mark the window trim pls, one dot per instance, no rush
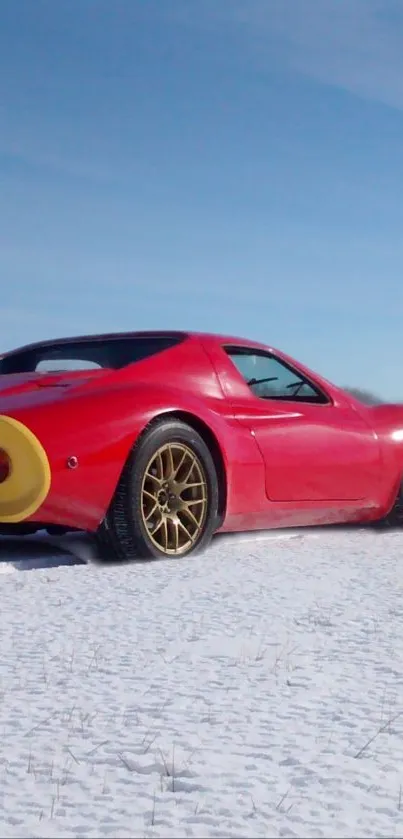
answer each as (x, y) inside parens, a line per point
(238, 349)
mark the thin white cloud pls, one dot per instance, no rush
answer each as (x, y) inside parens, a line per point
(356, 45)
(40, 143)
(57, 164)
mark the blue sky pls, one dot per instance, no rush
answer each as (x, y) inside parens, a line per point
(229, 166)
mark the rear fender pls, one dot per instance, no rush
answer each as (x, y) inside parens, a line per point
(96, 431)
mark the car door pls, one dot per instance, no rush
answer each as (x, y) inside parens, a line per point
(314, 448)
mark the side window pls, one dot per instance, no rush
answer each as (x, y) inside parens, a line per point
(55, 365)
(269, 378)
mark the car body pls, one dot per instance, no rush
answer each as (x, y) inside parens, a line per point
(289, 448)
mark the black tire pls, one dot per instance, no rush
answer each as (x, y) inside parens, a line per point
(394, 519)
(123, 534)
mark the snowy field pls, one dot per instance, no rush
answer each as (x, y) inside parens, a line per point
(253, 691)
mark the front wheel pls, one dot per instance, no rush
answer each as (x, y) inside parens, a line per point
(166, 502)
(394, 519)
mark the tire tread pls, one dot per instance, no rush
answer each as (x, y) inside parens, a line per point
(116, 537)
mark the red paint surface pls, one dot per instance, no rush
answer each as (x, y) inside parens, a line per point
(286, 463)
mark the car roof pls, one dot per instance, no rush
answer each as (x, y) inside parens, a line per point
(209, 337)
(229, 340)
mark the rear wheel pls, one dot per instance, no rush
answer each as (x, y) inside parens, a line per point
(166, 501)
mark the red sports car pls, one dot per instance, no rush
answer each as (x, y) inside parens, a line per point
(153, 441)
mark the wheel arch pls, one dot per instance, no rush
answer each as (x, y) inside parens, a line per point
(392, 514)
(211, 441)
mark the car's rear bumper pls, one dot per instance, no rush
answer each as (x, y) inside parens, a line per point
(28, 483)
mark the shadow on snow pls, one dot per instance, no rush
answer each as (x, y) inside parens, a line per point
(42, 551)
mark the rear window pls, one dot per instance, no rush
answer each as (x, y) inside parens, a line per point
(111, 353)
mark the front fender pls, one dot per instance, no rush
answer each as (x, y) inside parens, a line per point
(387, 422)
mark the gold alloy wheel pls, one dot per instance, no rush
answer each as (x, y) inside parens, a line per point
(174, 498)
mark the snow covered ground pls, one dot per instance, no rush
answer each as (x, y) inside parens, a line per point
(253, 691)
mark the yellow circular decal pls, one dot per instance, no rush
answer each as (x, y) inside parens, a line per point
(28, 483)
